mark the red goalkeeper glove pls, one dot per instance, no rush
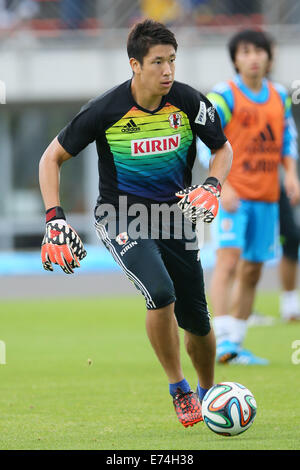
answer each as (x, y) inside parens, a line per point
(61, 244)
(200, 202)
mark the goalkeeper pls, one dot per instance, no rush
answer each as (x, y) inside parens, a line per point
(145, 131)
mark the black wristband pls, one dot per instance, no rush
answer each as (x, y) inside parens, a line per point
(214, 182)
(55, 213)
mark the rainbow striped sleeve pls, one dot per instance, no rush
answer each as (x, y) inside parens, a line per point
(221, 97)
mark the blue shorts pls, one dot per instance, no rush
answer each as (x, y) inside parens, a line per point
(253, 228)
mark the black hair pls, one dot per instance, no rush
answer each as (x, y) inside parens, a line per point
(147, 34)
(258, 38)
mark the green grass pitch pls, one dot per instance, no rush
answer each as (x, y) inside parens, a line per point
(81, 374)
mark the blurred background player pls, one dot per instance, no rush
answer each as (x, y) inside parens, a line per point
(289, 305)
(257, 120)
(133, 124)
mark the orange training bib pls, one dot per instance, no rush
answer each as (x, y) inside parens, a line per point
(255, 132)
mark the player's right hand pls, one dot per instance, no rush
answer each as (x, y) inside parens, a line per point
(61, 245)
(200, 202)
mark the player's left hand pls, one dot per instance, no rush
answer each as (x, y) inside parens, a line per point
(292, 187)
(200, 202)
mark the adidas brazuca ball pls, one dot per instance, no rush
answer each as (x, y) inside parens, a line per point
(228, 408)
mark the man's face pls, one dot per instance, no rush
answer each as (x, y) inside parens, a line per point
(156, 74)
(251, 61)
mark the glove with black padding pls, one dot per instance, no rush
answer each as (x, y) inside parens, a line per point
(61, 244)
(200, 202)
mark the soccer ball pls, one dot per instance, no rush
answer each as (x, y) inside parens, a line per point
(228, 408)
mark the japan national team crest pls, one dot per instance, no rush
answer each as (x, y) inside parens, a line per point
(122, 238)
(175, 120)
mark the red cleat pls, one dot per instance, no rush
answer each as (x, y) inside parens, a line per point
(188, 408)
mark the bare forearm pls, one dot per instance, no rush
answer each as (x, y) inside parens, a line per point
(49, 173)
(221, 163)
(49, 182)
(291, 180)
(289, 164)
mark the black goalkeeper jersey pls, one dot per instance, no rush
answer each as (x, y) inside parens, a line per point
(146, 155)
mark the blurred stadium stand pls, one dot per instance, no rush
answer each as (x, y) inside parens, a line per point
(52, 18)
(57, 54)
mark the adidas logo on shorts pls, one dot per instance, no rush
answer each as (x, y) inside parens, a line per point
(131, 127)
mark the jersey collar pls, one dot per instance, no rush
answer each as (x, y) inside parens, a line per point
(162, 103)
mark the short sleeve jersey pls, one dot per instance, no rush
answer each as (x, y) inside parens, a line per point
(146, 155)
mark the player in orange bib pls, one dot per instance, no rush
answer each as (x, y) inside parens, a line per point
(257, 133)
(256, 117)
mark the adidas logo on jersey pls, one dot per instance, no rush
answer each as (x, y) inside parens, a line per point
(131, 127)
(211, 113)
(265, 134)
(265, 141)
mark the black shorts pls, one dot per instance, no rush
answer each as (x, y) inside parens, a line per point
(289, 231)
(164, 271)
